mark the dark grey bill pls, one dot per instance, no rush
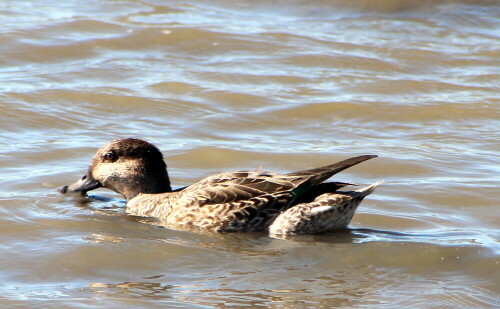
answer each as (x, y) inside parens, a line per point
(83, 185)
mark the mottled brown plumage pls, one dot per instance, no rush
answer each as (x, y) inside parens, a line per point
(328, 212)
(294, 203)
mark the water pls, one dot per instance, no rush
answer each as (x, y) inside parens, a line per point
(226, 85)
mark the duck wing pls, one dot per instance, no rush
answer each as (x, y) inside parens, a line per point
(244, 185)
(237, 186)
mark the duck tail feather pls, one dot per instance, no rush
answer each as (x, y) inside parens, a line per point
(369, 189)
(320, 174)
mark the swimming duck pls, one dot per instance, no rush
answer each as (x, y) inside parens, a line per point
(282, 204)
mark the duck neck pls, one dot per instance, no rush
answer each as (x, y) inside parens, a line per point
(152, 183)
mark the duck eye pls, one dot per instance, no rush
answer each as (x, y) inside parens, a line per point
(110, 156)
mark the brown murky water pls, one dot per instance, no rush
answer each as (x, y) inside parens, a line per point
(226, 85)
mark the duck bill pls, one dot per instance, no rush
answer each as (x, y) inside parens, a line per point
(87, 183)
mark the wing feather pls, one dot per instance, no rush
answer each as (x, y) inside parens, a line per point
(237, 186)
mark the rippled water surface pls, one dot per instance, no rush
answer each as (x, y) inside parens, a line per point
(226, 85)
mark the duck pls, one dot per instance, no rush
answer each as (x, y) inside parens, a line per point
(300, 202)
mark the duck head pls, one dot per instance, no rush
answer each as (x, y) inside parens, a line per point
(127, 166)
